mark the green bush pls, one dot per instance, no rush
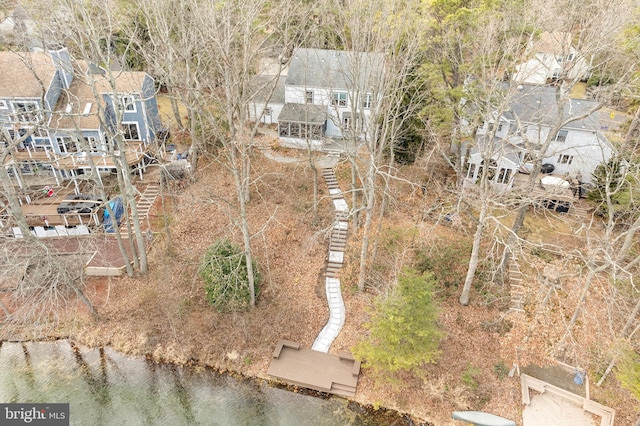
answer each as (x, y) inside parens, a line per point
(444, 262)
(403, 333)
(628, 372)
(224, 271)
(470, 376)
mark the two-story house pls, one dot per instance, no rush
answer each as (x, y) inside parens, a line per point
(507, 143)
(65, 111)
(328, 95)
(552, 57)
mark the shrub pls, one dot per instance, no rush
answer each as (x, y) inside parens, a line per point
(470, 376)
(224, 271)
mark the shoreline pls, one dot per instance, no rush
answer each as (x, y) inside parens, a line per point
(387, 415)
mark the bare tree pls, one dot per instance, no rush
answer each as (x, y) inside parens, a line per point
(217, 48)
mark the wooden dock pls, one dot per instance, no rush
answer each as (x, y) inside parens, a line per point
(335, 374)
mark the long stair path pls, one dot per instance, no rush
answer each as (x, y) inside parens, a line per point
(516, 289)
(144, 204)
(335, 260)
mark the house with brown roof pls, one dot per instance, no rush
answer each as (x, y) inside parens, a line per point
(55, 112)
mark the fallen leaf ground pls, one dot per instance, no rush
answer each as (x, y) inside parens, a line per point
(164, 314)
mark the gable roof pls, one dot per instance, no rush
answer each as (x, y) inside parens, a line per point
(537, 105)
(70, 112)
(336, 69)
(261, 87)
(23, 75)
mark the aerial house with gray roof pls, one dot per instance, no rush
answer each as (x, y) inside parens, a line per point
(510, 141)
(329, 96)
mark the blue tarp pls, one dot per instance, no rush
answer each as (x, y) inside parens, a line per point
(117, 207)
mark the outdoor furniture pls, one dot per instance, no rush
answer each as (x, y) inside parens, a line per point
(40, 232)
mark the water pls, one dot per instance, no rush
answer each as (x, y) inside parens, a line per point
(105, 387)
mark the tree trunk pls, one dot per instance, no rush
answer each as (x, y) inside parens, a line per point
(369, 196)
(240, 183)
(193, 148)
(176, 113)
(354, 193)
(114, 222)
(165, 221)
(473, 261)
(14, 204)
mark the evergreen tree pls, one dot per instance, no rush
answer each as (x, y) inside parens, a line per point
(403, 333)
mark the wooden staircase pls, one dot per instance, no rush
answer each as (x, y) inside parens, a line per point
(144, 204)
(516, 287)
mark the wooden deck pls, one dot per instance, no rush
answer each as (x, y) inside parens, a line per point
(335, 374)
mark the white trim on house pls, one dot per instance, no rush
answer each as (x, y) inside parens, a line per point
(128, 103)
(128, 132)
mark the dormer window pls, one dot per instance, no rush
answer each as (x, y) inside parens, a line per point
(561, 136)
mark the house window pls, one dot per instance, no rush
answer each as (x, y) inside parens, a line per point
(308, 96)
(499, 129)
(339, 99)
(129, 103)
(346, 120)
(40, 133)
(561, 136)
(504, 175)
(92, 142)
(491, 170)
(66, 144)
(131, 132)
(4, 143)
(266, 112)
(565, 159)
(3, 104)
(295, 130)
(27, 112)
(527, 158)
(570, 57)
(471, 169)
(366, 101)
(349, 124)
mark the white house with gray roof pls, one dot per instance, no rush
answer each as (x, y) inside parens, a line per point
(575, 151)
(553, 57)
(328, 95)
